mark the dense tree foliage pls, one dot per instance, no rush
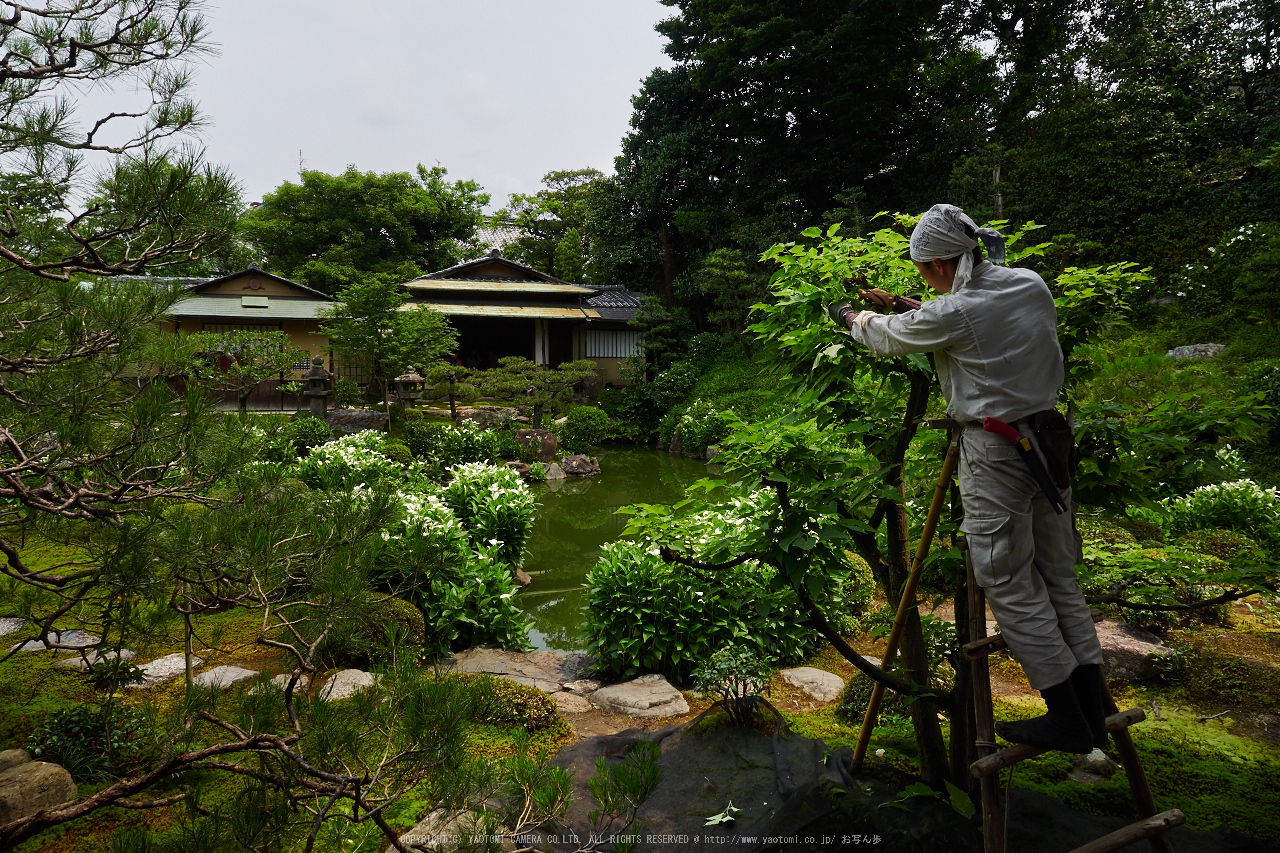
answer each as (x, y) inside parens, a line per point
(328, 231)
(551, 223)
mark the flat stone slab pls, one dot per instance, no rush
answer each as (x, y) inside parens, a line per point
(582, 686)
(11, 625)
(818, 683)
(223, 676)
(646, 696)
(547, 671)
(162, 669)
(571, 703)
(346, 684)
(1196, 351)
(74, 637)
(1128, 652)
(12, 758)
(98, 657)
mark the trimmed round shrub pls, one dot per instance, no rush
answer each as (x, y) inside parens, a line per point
(584, 428)
(407, 618)
(507, 704)
(397, 452)
(852, 705)
(1223, 544)
(306, 433)
(411, 415)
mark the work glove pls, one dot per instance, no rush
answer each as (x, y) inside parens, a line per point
(881, 299)
(841, 311)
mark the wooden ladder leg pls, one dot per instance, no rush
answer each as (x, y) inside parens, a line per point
(1135, 773)
(984, 719)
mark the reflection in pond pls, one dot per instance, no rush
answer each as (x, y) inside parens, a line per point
(576, 517)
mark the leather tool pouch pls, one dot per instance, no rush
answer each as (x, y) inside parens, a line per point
(1057, 444)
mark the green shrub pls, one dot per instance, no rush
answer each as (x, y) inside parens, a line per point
(397, 452)
(477, 608)
(646, 616)
(735, 675)
(854, 698)
(585, 427)
(1263, 379)
(307, 432)
(1241, 505)
(409, 416)
(93, 742)
(1223, 544)
(702, 425)
(411, 628)
(508, 704)
(445, 445)
(359, 458)
(493, 504)
(346, 393)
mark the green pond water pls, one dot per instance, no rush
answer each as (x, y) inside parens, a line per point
(575, 518)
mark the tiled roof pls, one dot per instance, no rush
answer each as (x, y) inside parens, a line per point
(615, 302)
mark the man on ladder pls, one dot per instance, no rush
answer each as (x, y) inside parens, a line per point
(993, 334)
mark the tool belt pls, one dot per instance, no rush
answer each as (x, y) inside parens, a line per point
(1057, 444)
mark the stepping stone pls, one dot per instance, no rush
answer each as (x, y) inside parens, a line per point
(11, 625)
(818, 683)
(282, 681)
(646, 696)
(1129, 653)
(74, 637)
(582, 687)
(163, 669)
(345, 684)
(223, 676)
(571, 703)
(100, 656)
(547, 671)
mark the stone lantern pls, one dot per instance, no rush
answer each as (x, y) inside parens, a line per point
(409, 387)
(317, 386)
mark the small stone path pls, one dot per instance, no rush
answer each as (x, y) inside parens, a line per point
(818, 683)
(163, 669)
(345, 684)
(223, 676)
(74, 637)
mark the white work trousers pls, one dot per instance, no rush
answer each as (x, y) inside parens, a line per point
(1024, 556)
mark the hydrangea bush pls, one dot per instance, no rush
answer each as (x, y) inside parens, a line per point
(494, 505)
(1240, 505)
(352, 460)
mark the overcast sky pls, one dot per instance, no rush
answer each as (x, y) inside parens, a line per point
(498, 91)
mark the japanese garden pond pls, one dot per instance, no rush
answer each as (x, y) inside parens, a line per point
(575, 518)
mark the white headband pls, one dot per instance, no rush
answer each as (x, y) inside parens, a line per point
(941, 234)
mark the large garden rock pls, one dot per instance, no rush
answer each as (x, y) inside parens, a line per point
(540, 440)
(486, 416)
(282, 681)
(11, 625)
(223, 676)
(555, 472)
(165, 668)
(343, 421)
(547, 671)
(31, 786)
(580, 466)
(12, 758)
(570, 703)
(583, 686)
(440, 831)
(520, 468)
(818, 683)
(1128, 652)
(98, 657)
(1196, 351)
(346, 684)
(646, 696)
(74, 638)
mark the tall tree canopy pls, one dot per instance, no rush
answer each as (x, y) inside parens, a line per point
(330, 230)
(551, 223)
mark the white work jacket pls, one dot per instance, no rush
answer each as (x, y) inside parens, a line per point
(994, 340)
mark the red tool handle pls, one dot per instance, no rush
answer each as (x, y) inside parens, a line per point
(1002, 428)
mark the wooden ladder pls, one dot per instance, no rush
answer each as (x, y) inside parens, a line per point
(1151, 825)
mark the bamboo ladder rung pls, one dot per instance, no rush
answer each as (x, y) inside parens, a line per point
(1146, 827)
(993, 643)
(1021, 752)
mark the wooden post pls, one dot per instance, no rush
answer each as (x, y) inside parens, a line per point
(984, 717)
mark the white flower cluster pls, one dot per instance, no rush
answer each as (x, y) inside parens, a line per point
(1238, 504)
(503, 484)
(356, 457)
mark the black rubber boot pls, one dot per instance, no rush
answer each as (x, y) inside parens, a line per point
(1064, 727)
(1087, 681)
